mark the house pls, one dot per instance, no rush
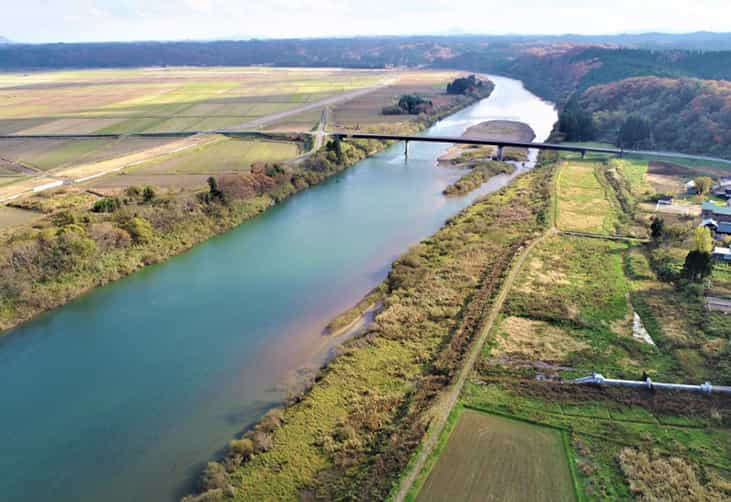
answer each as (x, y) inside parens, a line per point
(723, 188)
(723, 254)
(712, 211)
(690, 188)
(665, 200)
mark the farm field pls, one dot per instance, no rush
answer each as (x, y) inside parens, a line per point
(163, 99)
(220, 156)
(10, 216)
(584, 204)
(364, 112)
(581, 305)
(170, 99)
(52, 154)
(488, 457)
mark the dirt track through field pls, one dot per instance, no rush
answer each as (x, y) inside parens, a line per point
(333, 100)
(447, 402)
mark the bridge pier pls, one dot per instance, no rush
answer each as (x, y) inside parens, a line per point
(406, 150)
(500, 152)
(583, 153)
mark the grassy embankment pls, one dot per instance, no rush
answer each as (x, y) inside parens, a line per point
(572, 312)
(77, 247)
(353, 432)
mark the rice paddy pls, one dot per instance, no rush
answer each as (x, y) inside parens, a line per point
(489, 457)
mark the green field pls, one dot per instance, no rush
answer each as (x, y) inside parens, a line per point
(223, 155)
(489, 457)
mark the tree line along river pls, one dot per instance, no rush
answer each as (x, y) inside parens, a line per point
(125, 393)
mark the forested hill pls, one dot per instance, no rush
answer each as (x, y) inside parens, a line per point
(556, 72)
(686, 115)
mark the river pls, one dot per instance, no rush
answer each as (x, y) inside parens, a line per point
(124, 394)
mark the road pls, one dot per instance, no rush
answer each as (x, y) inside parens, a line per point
(333, 100)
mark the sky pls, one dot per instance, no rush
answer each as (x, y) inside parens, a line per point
(37, 21)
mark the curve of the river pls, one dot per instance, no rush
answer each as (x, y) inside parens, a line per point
(124, 393)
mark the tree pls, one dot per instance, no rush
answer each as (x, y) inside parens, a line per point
(213, 191)
(703, 184)
(634, 133)
(148, 194)
(657, 228)
(576, 123)
(697, 265)
(703, 240)
(464, 85)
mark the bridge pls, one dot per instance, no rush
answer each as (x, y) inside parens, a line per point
(499, 143)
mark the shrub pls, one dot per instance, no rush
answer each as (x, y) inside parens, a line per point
(139, 229)
(132, 191)
(107, 236)
(243, 447)
(213, 477)
(107, 205)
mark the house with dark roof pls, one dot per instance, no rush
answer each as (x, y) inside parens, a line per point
(712, 211)
(723, 188)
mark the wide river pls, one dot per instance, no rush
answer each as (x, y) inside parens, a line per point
(124, 394)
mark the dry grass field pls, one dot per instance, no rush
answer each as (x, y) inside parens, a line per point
(10, 216)
(365, 112)
(219, 156)
(489, 457)
(584, 203)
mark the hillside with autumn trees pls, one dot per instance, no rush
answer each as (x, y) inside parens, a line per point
(686, 115)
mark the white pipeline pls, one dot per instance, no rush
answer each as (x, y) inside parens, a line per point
(706, 388)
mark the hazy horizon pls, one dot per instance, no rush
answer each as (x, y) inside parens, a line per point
(34, 21)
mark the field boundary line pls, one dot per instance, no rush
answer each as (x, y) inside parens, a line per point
(434, 432)
(590, 235)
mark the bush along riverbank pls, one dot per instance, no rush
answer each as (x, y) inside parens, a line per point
(353, 432)
(86, 241)
(477, 175)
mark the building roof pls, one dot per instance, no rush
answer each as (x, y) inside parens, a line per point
(690, 184)
(719, 251)
(724, 228)
(716, 209)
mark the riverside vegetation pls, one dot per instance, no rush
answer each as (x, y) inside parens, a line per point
(354, 431)
(83, 242)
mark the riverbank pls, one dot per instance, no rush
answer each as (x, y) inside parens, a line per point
(370, 401)
(77, 248)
